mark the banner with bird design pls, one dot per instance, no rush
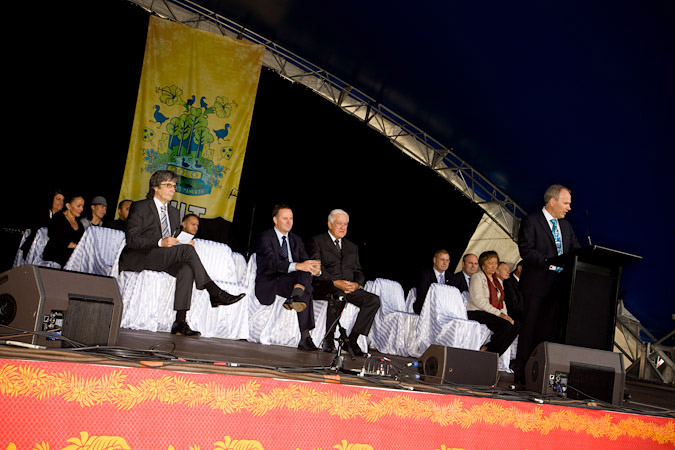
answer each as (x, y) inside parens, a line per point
(193, 115)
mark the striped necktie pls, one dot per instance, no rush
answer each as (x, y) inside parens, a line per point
(556, 236)
(166, 232)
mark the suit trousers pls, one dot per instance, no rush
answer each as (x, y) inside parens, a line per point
(503, 333)
(285, 285)
(179, 261)
(368, 305)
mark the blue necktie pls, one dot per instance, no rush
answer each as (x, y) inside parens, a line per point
(284, 247)
(556, 236)
(441, 279)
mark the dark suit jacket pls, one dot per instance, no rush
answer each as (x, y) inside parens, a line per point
(333, 267)
(271, 265)
(536, 245)
(426, 279)
(458, 280)
(513, 298)
(144, 230)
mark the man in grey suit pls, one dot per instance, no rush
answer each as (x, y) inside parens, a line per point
(151, 244)
(342, 279)
(543, 235)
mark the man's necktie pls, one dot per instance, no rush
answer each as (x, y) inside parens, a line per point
(337, 244)
(441, 279)
(556, 236)
(284, 247)
(166, 232)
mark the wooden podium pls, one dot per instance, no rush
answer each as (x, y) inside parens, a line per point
(591, 287)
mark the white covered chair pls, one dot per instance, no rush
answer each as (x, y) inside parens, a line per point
(20, 258)
(269, 324)
(148, 297)
(96, 252)
(443, 321)
(390, 327)
(34, 255)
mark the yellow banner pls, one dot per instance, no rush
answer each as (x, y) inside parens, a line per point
(193, 116)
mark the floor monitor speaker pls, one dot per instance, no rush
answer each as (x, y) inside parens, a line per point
(576, 372)
(82, 307)
(459, 366)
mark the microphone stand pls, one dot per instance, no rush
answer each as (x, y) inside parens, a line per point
(343, 340)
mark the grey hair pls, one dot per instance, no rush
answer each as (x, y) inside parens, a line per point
(334, 213)
(554, 192)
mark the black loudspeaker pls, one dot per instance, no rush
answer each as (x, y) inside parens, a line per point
(576, 372)
(83, 307)
(459, 366)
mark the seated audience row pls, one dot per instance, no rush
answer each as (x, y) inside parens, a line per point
(490, 290)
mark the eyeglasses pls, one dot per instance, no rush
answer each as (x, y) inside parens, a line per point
(169, 185)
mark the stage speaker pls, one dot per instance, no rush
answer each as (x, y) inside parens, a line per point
(459, 366)
(83, 307)
(576, 372)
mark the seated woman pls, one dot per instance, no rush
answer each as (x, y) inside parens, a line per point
(486, 304)
(65, 231)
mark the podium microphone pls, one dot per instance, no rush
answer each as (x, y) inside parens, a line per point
(588, 226)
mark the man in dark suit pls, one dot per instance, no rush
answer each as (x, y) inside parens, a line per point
(342, 279)
(151, 245)
(434, 274)
(461, 279)
(513, 297)
(543, 235)
(284, 269)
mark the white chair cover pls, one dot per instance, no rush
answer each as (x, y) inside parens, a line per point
(96, 252)
(19, 259)
(34, 256)
(240, 267)
(148, 297)
(443, 321)
(270, 324)
(410, 300)
(389, 331)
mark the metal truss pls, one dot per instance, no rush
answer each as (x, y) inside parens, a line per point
(650, 359)
(407, 137)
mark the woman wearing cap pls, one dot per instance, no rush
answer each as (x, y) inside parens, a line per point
(98, 209)
(65, 231)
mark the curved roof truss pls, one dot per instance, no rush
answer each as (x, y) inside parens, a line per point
(409, 138)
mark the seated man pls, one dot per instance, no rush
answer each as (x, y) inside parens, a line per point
(284, 269)
(123, 214)
(435, 274)
(341, 278)
(151, 245)
(190, 224)
(512, 295)
(462, 279)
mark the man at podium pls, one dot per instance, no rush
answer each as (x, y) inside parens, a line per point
(543, 235)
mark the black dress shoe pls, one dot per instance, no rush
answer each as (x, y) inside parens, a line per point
(183, 329)
(307, 345)
(355, 348)
(224, 298)
(328, 346)
(295, 303)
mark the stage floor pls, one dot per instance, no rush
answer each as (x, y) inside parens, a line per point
(137, 348)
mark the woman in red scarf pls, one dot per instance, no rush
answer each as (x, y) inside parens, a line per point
(486, 304)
